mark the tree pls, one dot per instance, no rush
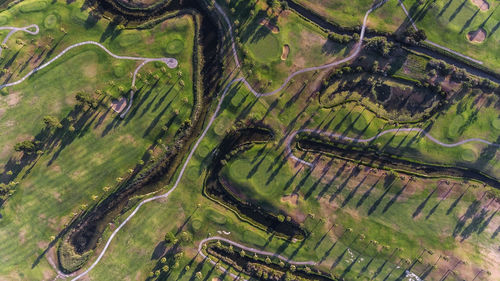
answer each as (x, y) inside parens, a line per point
(199, 275)
(170, 238)
(51, 122)
(165, 268)
(27, 146)
(85, 98)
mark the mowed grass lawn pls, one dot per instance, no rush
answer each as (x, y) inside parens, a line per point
(263, 48)
(351, 13)
(399, 214)
(103, 147)
(448, 22)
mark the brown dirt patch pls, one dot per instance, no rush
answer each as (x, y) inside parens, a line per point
(22, 236)
(285, 52)
(483, 5)
(119, 105)
(265, 22)
(293, 199)
(477, 36)
(90, 70)
(11, 99)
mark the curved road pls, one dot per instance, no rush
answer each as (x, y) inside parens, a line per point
(361, 140)
(170, 62)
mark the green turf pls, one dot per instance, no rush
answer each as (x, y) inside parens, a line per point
(265, 49)
(175, 46)
(79, 164)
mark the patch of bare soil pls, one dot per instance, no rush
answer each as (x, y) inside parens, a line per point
(483, 5)
(90, 70)
(119, 105)
(22, 236)
(477, 36)
(293, 199)
(265, 22)
(11, 99)
(285, 52)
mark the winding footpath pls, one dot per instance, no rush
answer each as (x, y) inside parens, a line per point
(16, 29)
(248, 249)
(357, 48)
(172, 63)
(169, 62)
(361, 140)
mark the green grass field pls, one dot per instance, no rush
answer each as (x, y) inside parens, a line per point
(448, 22)
(388, 18)
(75, 169)
(366, 224)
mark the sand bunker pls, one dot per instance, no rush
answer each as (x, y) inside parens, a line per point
(482, 4)
(265, 22)
(477, 36)
(285, 52)
(119, 105)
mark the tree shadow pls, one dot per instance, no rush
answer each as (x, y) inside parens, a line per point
(375, 205)
(367, 193)
(457, 10)
(395, 198)
(439, 202)
(420, 207)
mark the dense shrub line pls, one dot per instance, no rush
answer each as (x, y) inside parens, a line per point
(371, 155)
(263, 268)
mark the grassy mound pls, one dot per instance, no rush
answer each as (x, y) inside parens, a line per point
(265, 49)
(3, 19)
(203, 151)
(454, 128)
(119, 70)
(196, 224)
(496, 123)
(174, 46)
(192, 174)
(468, 155)
(130, 39)
(221, 125)
(33, 6)
(50, 21)
(239, 169)
(216, 217)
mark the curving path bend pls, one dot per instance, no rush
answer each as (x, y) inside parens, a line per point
(248, 249)
(361, 140)
(169, 62)
(16, 29)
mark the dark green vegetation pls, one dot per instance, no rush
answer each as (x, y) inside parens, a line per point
(399, 205)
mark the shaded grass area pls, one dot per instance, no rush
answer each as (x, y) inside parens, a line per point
(447, 23)
(79, 168)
